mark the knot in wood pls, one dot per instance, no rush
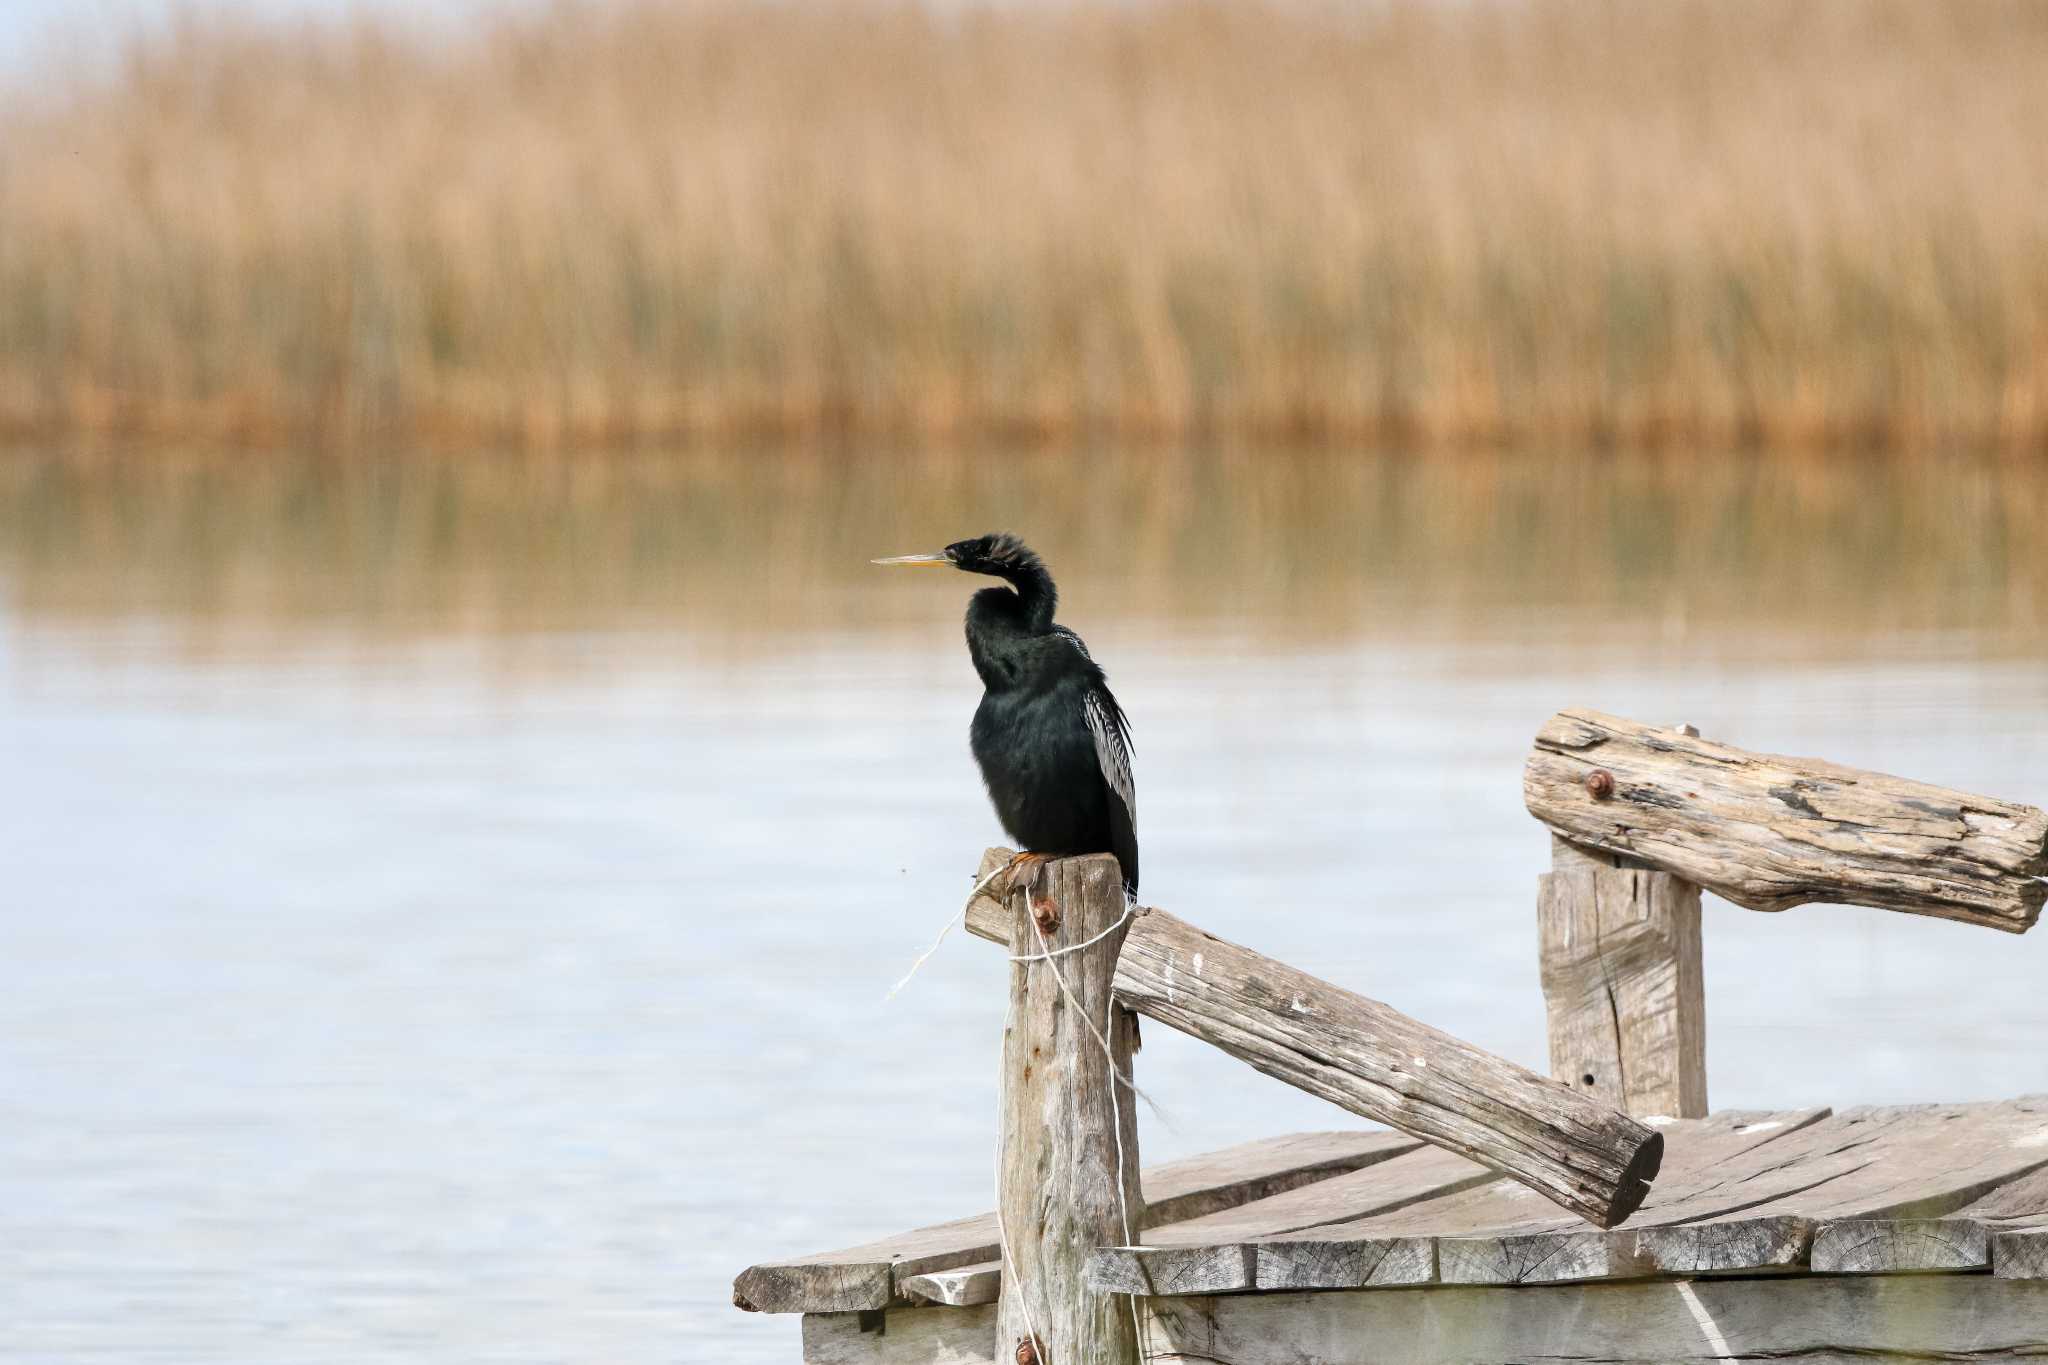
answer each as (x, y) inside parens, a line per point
(1046, 915)
(1600, 784)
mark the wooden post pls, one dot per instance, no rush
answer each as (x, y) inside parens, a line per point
(1581, 1153)
(1622, 982)
(1069, 1172)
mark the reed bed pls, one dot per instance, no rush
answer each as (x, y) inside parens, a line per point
(1735, 223)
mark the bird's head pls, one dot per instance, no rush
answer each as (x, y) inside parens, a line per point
(1001, 554)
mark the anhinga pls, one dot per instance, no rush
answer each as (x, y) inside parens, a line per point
(1053, 745)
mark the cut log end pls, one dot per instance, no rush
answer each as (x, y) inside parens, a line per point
(1634, 1185)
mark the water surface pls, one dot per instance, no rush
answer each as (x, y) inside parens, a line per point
(451, 899)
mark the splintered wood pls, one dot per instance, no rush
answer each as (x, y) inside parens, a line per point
(1769, 832)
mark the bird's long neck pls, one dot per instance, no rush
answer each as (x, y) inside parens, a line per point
(1036, 595)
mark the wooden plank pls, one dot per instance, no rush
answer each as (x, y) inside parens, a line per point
(1375, 1061)
(1212, 1255)
(1397, 1244)
(966, 1287)
(1964, 1240)
(1623, 987)
(1902, 1164)
(1067, 1146)
(1770, 832)
(1552, 1252)
(863, 1277)
(902, 1336)
(2021, 1254)
(1498, 1234)
(1886, 1246)
(1811, 1318)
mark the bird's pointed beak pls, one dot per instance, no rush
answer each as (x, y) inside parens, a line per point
(916, 562)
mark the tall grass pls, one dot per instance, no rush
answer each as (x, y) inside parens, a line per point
(1741, 221)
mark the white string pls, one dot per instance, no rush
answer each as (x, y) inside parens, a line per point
(1048, 956)
(925, 956)
(1011, 1275)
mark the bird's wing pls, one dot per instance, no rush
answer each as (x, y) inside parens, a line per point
(1112, 746)
(1073, 640)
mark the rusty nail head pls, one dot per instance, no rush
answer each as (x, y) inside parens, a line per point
(1600, 784)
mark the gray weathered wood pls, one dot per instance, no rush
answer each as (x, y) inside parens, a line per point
(1067, 1166)
(2020, 1254)
(1213, 1254)
(903, 1336)
(1398, 1243)
(1825, 1319)
(861, 1277)
(1622, 983)
(1517, 1249)
(1761, 1210)
(962, 1288)
(1375, 1061)
(1770, 832)
(1500, 1233)
(1963, 1240)
(1887, 1246)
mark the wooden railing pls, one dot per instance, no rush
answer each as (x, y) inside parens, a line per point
(1643, 819)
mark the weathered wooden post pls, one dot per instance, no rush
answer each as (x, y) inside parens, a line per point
(1068, 1182)
(1622, 982)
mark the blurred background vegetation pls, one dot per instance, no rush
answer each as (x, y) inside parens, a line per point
(1740, 223)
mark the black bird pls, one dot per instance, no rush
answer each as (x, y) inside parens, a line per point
(1053, 745)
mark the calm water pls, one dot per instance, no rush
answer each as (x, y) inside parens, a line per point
(450, 901)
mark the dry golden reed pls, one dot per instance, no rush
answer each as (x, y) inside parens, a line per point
(1753, 221)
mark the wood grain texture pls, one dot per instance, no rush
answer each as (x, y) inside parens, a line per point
(1067, 1167)
(963, 1288)
(2021, 1254)
(1889, 1246)
(1623, 987)
(903, 1336)
(863, 1277)
(1812, 1319)
(1495, 1234)
(1770, 833)
(1211, 1254)
(1377, 1062)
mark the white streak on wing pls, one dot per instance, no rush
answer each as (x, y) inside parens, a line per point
(1075, 641)
(1113, 754)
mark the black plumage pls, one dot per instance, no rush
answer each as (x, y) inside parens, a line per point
(1053, 745)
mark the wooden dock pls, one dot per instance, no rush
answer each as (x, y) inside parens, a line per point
(1600, 1214)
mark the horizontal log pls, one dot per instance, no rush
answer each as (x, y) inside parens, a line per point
(1770, 833)
(1375, 1061)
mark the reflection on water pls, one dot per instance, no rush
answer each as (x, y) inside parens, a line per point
(450, 901)
(1280, 546)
